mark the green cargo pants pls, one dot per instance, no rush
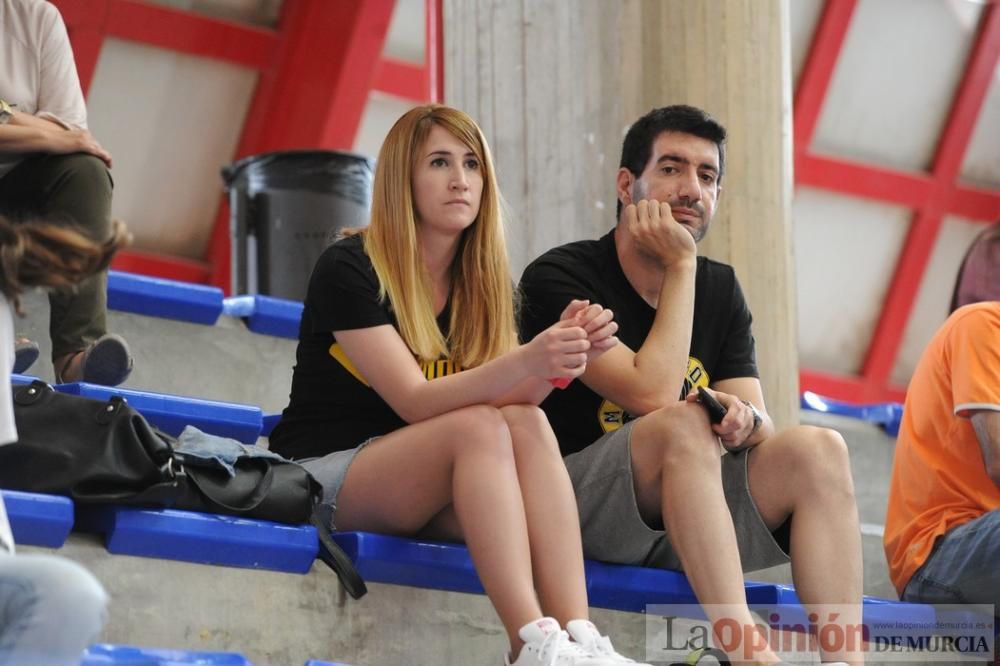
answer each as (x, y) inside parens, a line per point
(74, 190)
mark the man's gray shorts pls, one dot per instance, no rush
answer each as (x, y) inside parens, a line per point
(613, 530)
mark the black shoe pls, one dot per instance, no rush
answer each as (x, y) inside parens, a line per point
(25, 354)
(108, 361)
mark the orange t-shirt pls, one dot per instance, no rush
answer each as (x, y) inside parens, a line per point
(939, 478)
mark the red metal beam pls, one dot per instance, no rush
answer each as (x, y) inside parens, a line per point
(863, 180)
(163, 266)
(434, 49)
(924, 230)
(172, 29)
(851, 389)
(189, 33)
(974, 203)
(903, 287)
(325, 65)
(814, 81)
(75, 12)
(87, 44)
(402, 79)
(363, 39)
(85, 23)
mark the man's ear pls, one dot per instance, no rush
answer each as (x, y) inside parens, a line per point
(624, 183)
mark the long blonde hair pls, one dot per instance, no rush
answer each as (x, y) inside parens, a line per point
(482, 323)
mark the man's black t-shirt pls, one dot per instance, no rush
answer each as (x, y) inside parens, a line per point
(722, 345)
(332, 407)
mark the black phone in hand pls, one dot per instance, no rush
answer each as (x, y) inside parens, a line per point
(716, 412)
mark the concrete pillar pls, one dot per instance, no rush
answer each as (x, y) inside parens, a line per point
(555, 85)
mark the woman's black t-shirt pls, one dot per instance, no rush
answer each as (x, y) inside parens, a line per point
(332, 407)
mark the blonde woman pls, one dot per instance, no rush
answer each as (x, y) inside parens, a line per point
(416, 408)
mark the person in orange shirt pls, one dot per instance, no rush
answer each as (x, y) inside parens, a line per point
(942, 529)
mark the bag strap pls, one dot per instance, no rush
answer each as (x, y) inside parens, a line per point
(335, 558)
(252, 502)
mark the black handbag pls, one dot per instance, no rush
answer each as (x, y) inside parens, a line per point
(269, 489)
(106, 452)
(262, 488)
(91, 450)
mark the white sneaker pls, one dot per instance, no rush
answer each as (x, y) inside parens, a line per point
(589, 638)
(545, 644)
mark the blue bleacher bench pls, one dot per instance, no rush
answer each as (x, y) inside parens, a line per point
(169, 299)
(171, 413)
(270, 420)
(266, 315)
(875, 612)
(37, 519)
(632, 588)
(20, 380)
(387, 559)
(203, 538)
(442, 566)
(125, 655)
(885, 414)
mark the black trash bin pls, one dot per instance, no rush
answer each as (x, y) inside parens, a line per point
(285, 208)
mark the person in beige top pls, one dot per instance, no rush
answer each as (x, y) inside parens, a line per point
(51, 166)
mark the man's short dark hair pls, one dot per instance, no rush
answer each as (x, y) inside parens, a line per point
(638, 145)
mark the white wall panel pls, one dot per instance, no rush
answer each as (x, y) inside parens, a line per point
(934, 297)
(893, 85)
(171, 121)
(982, 159)
(407, 32)
(381, 112)
(803, 17)
(846, 250)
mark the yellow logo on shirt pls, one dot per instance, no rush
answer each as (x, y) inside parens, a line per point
(611, 416)
(430, 369)
(696, 376)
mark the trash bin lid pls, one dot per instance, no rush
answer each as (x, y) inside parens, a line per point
(324, 171)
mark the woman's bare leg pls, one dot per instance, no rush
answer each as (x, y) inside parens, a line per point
(402, 481)
(552, 517)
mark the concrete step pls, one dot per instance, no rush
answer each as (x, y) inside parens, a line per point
(284, 619)
(221, 362)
